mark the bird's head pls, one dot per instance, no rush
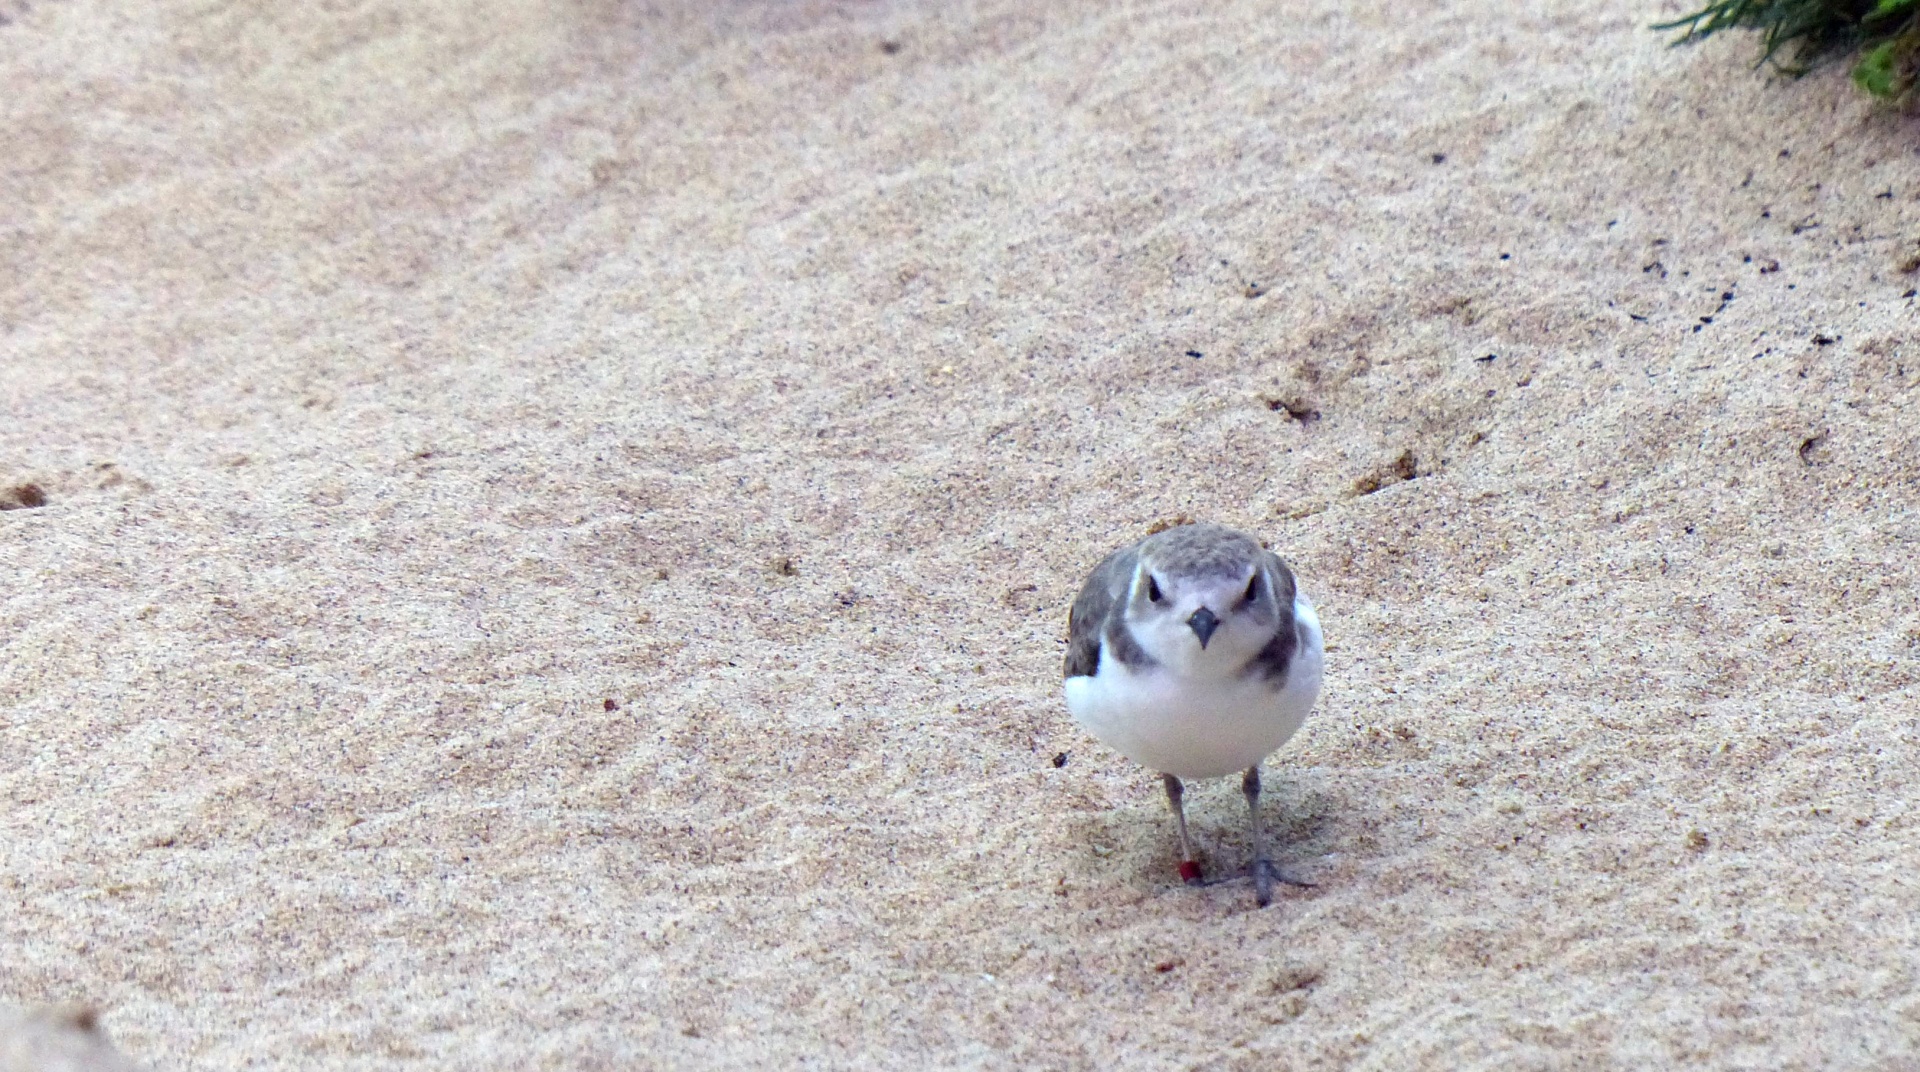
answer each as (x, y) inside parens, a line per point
(1206, 599)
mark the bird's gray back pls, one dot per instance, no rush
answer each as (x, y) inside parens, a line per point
(1087, 624)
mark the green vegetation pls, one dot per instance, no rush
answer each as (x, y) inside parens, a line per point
(1886, 33)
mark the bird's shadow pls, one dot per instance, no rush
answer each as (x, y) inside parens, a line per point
(1308, 818)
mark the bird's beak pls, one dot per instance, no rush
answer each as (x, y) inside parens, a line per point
(1203, 623)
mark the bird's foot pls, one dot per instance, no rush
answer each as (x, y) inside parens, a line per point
(1190, 873)
(1265, 874)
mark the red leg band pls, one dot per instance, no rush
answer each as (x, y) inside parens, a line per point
(1189, 871)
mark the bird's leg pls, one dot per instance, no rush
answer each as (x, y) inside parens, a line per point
(1262, 867)
(1189, 867)
(1264, 871)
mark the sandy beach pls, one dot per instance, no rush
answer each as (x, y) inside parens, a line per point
(539, 535)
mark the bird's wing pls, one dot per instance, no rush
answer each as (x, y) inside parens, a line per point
(1283, 583)
(1274, 659)
(1105, 586)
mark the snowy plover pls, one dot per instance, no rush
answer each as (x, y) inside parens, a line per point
(1194, 653)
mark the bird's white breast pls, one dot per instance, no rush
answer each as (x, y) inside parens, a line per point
(1200, 727)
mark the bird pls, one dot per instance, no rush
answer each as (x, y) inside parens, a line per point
(1194, 653)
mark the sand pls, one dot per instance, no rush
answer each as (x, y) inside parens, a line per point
(558, 520)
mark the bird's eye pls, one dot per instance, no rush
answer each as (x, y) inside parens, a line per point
(1253, 589)
(1153, 589)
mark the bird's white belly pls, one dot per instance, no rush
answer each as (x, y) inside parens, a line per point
(1199, 727)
